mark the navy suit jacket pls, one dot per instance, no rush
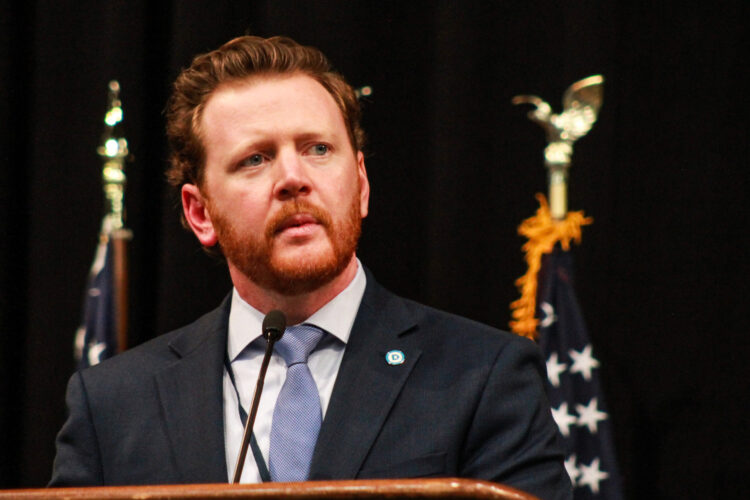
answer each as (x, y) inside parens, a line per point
(468, 401)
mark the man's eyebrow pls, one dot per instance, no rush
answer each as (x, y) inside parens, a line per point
(314, 134)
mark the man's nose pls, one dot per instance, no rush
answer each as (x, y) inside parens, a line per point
(293, 179)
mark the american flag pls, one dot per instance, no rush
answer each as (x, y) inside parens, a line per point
(575, 395)
(96, 339)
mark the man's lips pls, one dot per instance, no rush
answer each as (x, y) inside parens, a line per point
(296, 221)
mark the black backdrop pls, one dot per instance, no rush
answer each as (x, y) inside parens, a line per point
(453, 166)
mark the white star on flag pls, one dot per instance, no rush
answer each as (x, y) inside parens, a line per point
(563, 419)
(549, 315)
(583, 362)
(554, 369)
(570, 466)
(590, 415)
(591, 476)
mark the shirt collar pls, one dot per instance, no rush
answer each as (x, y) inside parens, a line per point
(336, 317)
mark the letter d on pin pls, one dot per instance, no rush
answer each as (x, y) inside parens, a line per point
(395, 357)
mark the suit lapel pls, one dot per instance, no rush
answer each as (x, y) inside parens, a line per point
(367, 386)
(190, 390)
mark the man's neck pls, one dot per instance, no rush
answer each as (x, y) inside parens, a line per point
(297, 308)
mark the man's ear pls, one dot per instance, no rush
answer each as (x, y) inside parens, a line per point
(195, 208)
(364, 185)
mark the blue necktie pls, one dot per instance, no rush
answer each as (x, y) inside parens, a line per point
(297, 415)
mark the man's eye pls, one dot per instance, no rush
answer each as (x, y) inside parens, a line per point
(253, 160)
(319, 149)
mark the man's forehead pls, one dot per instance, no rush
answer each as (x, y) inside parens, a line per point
(265, 92)
(265, 80)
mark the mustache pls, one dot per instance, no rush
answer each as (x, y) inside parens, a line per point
(296, 207)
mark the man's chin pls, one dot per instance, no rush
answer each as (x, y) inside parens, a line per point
(299, 280)
(294, 271)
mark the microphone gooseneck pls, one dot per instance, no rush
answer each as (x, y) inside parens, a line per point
(274, 325)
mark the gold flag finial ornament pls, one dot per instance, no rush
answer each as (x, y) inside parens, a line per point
(114, 151)
(581, 104)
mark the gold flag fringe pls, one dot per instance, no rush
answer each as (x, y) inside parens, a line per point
(542, 232)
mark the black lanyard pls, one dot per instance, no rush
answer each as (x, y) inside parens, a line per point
(265, 476)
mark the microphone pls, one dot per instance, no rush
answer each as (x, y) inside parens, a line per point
(274, 325)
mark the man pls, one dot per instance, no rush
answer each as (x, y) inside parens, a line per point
(267, 156)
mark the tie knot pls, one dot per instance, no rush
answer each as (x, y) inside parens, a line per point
(298, 342)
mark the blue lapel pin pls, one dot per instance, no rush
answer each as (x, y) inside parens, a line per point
(395, 357)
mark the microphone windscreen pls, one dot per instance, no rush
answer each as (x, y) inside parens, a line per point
(274, 325)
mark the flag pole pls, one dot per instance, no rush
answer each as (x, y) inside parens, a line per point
(120, 240)
(114, 151)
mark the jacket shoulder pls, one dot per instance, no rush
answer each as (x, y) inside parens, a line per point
(439, 327)
(159, 352)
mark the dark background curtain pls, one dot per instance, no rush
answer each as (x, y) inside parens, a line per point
(661, 274)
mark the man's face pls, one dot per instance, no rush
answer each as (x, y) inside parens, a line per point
(283, 191)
